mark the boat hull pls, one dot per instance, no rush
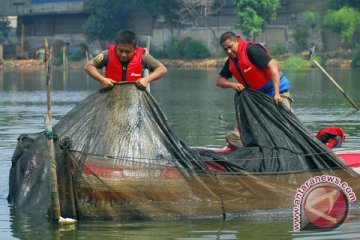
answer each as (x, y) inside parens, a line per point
(146, 192)
(350, 158)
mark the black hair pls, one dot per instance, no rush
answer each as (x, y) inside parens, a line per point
(227, 35)
(126, 37)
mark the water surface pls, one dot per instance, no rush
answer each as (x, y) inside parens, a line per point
(200, 114)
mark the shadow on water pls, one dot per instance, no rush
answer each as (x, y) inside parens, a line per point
(24, 226)
(273, 225)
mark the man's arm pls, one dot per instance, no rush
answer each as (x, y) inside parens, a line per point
(224, 75)
(156, 68)
(259, 57)
(223, 82)
(275, 78)
(92, 69)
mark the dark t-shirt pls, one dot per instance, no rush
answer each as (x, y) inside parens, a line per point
(256, 54)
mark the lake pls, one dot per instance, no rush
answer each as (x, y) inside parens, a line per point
(200, 114)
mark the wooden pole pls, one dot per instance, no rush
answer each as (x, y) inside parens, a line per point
(65, 59)
(86, 57)
(148, 44)
(50, 142)
(146, 71)
(336, 85)
(22, 42)
(1, 53)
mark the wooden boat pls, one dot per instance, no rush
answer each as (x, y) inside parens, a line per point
(146, 192)
(350, 158)
(131, 165)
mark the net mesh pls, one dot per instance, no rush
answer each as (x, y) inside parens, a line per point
(118, 158)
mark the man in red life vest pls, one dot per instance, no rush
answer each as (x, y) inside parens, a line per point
(125, 61)
(252, 66)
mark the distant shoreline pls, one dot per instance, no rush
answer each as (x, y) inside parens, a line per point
(212, 63)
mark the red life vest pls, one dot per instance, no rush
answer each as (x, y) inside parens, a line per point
(114, 66)
(255, 77)
(331, 136)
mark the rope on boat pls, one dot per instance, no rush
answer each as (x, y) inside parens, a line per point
(221, 197)
(50, 134)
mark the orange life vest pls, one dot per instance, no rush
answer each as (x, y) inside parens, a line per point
(255, 77)
(114, 68)
(251, 75)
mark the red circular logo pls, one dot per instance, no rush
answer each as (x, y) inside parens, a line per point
(325, 206)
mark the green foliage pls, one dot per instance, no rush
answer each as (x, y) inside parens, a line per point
(191, 49)
(317, 58)
(296, 63)
(301, 36)
(77, 55)
(250, 22)
(278, 49)
(337, 4)
(310, 18)
(254, 14)
(4, 28)
(106, 19)
(356, 59)
(345, 21)
(184, 49)
(169, 51)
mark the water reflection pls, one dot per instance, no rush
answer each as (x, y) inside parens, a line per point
(1, 78)
(26, 227)
(192, 103)
(272, 225)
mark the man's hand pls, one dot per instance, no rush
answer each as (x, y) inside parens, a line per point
(93, 72)
(107, 83)
(222, 82)
(277, 99)
(238, 87)
(141, 83)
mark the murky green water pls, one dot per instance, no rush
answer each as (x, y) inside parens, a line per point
(192, 104)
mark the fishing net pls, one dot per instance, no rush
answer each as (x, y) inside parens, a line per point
(118, 158)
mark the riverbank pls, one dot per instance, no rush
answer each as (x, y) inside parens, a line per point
(218, 63)
(331, 59)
